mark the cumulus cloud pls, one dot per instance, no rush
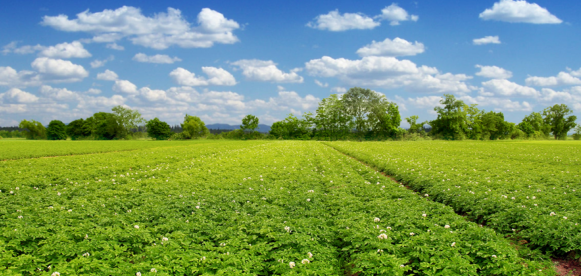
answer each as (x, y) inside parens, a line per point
(160, 31)
(339, 90)
(563, 78)
(125, 86)
(493, 72)
(574, 73)
(502, 87)
(108, 75)
(12, 47)
(10, 77)
(392, 48)
(388, 72)
(115, 46)
(395, 14)
(66, 50)
(15, 95)
(515, 11)
(336, 22)
(216, 76)
(59, 70)
(101, 62)
(486, 40)
(266, 70)
(141, 57)
(499, 104)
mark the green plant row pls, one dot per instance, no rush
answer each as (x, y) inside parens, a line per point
(233, 208)
(528, 190)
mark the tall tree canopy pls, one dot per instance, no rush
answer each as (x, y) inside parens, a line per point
(35, 129)
(127, 119)
(250, 122)
(193, 127)
(555, 118)
(56, 130)
(451, 122)
(158, 129)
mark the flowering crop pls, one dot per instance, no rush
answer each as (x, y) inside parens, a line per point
(528, 190)
(233, 208)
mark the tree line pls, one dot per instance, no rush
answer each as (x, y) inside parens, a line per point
(360, 114)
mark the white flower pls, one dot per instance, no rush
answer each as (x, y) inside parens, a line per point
(305, 261)
(308, 199)
(402, 266)
(70, 210)
(493, 256)
(446, 226)
(138, 274)
(136, 226)
(424, 215)
(311, 191)
(426, 195)
(453, 244)
(55, 274)
(203, 258)
(153, 270)
(552, 213)
(310, 255)
(287, 229)
(129, 211)
(388, 228)
(20, 217)
(197, 207)
(86, 254)
(59, 193)
(291, 264)
(164, 239)
(412, 233)
(563, 217)
(86, 236)
(376, 219)
(382, 236)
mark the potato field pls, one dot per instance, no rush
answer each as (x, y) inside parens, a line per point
(288, 208)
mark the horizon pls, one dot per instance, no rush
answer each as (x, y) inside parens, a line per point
(222, 61)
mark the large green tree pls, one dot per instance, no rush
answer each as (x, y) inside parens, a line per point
(292, 127)
(193, 127)
(555, 117)
(127, 119)
(332, 120)
(56, 130)
(78, 129)
(451, 122)
(250, 122)
(35, 130)
(158, 129)
(371, 112)
(534, 125)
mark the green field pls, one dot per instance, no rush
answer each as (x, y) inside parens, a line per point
(287, 207)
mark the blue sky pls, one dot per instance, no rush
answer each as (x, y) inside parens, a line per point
(221, 60)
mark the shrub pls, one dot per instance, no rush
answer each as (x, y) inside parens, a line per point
(56, 130)
(158, 129)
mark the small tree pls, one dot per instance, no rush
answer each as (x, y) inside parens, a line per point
(577, 135)
(56, 130)
(35, 129)
(554, 116)
(193, 127)
(158, 129)
(250, 122)
(78, 129)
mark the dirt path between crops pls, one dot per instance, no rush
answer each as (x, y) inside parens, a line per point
(564, 267)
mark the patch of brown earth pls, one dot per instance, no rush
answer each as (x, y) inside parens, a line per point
(567, 267)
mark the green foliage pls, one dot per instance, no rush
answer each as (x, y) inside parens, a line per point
(332, 121)
(78, 129)
(293, 128)
(371, 112)
(12, 134)
(105, 126)
(35, 130)
(193, 128)
(451, 122)
(526, 190)
(554, 117)
(127, 119)
(158, 129)
(56, 130)
(235, 208)
(250, 122)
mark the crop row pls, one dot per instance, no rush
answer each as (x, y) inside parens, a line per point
(529, 190)
(244, 208)
(21, 149)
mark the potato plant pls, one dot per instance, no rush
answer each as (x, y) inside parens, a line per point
(234, 208)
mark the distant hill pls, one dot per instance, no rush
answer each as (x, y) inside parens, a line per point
(261, 127)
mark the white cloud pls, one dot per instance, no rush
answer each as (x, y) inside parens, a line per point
(160, 31)
(266, 70)
(563, 78)
(519, 11)
(388, 72)
(486, 40)
(101, 62)
(395, 14)
(153, 95)
(502, 87)
(141, 57)
(59, 70)
(336, 22)
(125, 86)
(93, 91)
(108, 75)
(499, 104)
(493, 72)
(216, 76)
(66, 50)
(321, 84)
(10, 77)
(60, 94)
(392, 48)
(570, 96)
(15, 95)
(115, 46)
(22, 50)
(339, 90)
(574, 73)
